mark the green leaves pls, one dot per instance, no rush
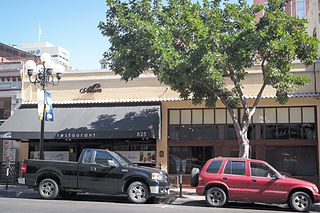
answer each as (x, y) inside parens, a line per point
(195, 47)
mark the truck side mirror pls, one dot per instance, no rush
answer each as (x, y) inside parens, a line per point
(112, 163)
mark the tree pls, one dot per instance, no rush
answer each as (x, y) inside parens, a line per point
(195, 47)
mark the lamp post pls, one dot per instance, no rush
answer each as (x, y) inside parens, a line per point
(44, 75)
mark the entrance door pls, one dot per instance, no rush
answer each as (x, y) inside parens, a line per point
(95, 175)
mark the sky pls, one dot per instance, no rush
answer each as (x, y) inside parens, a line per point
(71, 24)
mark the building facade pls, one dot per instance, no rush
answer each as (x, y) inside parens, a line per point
(148, 123)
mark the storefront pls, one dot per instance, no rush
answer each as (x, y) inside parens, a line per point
(131, 129)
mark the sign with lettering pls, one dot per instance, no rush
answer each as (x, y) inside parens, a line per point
(96, 88)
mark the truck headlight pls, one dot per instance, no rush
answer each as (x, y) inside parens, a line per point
(156, 176)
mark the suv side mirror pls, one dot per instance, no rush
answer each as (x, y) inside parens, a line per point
(112, 163)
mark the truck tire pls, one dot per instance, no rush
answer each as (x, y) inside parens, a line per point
(300, 202)
(216, 197)
(48, 188)
(138, 192)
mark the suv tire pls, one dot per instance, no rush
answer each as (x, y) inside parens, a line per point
(216, 197)
(48, 188)
(138, 192)
(300, 202)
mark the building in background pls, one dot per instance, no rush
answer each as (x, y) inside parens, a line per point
(12, 61)
(59, 54)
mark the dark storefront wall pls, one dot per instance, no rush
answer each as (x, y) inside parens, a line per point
(286, 142)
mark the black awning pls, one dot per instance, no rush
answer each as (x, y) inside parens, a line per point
(85, 122)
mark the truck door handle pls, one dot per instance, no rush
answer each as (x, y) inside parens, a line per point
(93, 169)
(254, 180)
(225, 178)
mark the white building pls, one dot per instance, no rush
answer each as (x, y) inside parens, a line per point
(57, 53)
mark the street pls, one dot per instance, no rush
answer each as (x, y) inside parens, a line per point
(30, 203)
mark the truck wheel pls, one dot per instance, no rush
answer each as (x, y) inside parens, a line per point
(300, 202)
(138, 192)
(216, 197)
(48, 189)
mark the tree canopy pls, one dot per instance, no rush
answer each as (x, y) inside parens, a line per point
(195, 46)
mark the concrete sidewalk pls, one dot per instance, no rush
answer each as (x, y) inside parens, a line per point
(21, 191)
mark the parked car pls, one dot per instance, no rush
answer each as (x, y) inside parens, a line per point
(97, 171)
(247, 180)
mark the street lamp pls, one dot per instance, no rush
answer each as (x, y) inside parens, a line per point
(44, 75)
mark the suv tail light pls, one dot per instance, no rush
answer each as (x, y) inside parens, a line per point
(23, 168)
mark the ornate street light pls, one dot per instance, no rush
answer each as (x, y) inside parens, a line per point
(44, 75)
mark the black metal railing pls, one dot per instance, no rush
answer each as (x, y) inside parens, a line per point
(14, 170)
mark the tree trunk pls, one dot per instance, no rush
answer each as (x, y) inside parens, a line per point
(244, 145)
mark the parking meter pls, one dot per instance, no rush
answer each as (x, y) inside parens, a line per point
(183, 166)
(178, 166)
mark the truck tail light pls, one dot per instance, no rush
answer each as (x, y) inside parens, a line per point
(23, 168)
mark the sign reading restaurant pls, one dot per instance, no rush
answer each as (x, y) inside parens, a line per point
(69, 135)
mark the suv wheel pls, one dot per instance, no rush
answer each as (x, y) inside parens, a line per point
(48, 188)
(300, 201)
(216, 197)
(138, 192)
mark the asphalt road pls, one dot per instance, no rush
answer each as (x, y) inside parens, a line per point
(121, 205)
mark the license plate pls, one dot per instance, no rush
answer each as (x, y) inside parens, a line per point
(21, 180)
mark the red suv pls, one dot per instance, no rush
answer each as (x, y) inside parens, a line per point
(247, 180)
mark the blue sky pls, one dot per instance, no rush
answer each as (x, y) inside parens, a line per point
(71, 24)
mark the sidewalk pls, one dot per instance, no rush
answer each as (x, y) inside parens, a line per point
(20, 191)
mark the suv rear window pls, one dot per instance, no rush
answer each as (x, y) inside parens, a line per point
(235, 168)
(214, 166)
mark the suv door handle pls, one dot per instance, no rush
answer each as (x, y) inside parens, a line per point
(93, 169)
(225, 178)
(254, 180)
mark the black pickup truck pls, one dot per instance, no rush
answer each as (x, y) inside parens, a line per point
(97, 171)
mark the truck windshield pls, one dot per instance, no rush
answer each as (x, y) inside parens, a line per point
(122, 160)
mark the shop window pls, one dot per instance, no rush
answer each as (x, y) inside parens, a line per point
(205, 132)
(186, 132)
(208, 116)
(229, 119)
(309, 131)
(185, 116)
(174, 116)
(220, 116)
(308, 115)
(270, 115)
(295, 115)
(295, 131)
(282, 115)
(174, 132)
(197, 116)
(293, 161)
(256, 132)
(258, 116)
(193, 155)
(229, 132)
(270, 131)
(283, 131)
